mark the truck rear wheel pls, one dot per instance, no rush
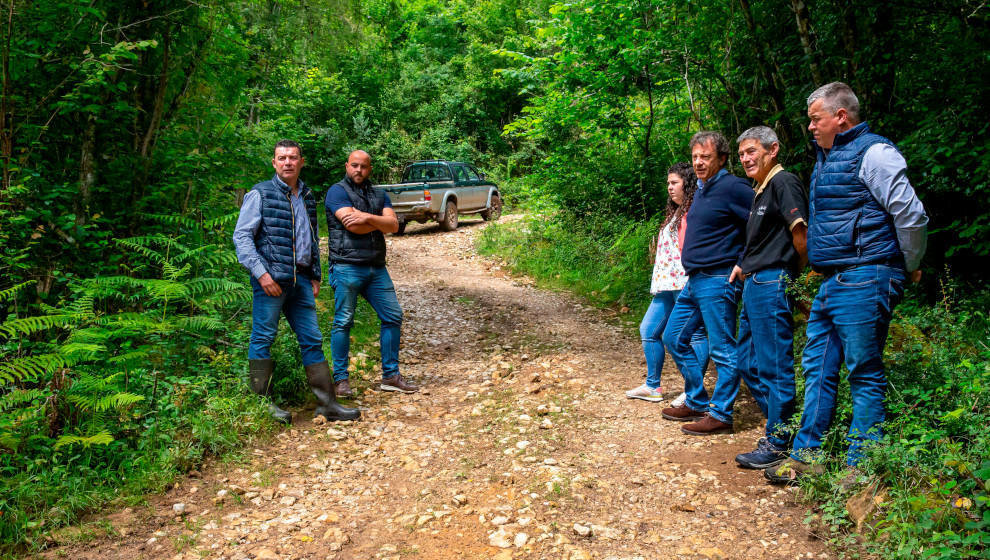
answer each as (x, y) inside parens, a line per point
(494, 210)
(402, 227)
(449, 222)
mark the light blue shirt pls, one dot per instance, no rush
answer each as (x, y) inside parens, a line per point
(249, 220)
(885, 173)
(719, 173)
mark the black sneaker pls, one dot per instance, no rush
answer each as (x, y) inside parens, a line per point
(766, 455)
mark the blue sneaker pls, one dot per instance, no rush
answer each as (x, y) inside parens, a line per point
(766, 455)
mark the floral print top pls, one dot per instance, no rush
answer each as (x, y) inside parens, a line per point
(668, 272)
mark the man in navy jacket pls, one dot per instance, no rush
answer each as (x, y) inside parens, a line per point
(713, 245)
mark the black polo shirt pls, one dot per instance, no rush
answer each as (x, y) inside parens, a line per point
(781, 204)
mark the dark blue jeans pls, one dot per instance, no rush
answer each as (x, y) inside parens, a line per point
(765, 352)
(375, 285)
(849, 320)
(708, 300)
(299, 306)
(651, 332)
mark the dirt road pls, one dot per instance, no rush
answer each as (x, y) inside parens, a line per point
(522, 445)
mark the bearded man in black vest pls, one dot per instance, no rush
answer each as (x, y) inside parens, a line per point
(277, 240)
(358, 217)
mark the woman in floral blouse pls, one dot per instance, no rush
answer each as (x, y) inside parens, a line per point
(668, 279)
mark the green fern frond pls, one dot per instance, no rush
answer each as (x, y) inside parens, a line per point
(141, 248)
(174, 220)
(12, 291)
(223, 299)
(130, 357)
(171, 272)
(199, 286)
(99, 438)
(222, 221)
(160, 290)
(27, 326)
(81, 351)
(20, 397)
(117, 402)
(29, 368)
(200, 323)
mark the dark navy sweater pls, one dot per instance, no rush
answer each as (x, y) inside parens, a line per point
(716, 224)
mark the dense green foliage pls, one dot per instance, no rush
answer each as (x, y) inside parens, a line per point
(129, 129)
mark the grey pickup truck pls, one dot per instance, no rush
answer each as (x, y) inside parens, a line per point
(441, 190)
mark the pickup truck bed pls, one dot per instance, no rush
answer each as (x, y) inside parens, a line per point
(441, 191)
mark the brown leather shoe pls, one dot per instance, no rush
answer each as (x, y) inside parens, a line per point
(343, 389)
(396, 383)
(707, 426)
(681, 413)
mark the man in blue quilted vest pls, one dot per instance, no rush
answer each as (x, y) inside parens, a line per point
(358, 217)
(866, 236)
(276, 240)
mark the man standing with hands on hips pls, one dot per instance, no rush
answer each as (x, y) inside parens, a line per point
(276, 240)
(358, 217)
(866, 235)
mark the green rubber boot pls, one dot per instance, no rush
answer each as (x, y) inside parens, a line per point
(260, 381)
(318, 376)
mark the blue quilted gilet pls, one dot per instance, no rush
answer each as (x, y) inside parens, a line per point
(353, 248)
(275, 239)
(848, 227)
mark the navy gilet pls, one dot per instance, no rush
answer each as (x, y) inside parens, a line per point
(275, 239)
(357, 248)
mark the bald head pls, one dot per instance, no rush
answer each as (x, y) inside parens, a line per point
(358, 166)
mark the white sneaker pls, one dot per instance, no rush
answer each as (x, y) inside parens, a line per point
(645, 393)
(679, 400)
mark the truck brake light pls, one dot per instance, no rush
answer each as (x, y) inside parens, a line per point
(426, 196)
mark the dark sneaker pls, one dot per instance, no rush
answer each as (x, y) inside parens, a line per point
(681, 414)
(766, 455)
(396, 383)
(707, 426)
(343, 389)
(790, 471)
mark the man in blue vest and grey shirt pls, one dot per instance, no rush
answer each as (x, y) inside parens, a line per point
(358, 217)
(867, 234)
(276, 240)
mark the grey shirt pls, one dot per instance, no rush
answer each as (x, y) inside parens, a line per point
(249, 221)
(884, 171)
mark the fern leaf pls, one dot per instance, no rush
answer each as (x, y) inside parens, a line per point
(174, 220)
(198, 286)
(29, 325)
(221, 221)
(29, 368)
(100, 438)
(12, 291)
(200, 323)
(20, 397)
(81, 351)
(117, 402)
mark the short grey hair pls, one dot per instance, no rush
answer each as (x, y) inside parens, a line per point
(835, 96)
(762, 134)
(716, 138)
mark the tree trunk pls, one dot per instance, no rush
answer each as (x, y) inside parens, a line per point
(773, 80)
(803, 20)
(87, 171)
(159, 103)
(6, 106)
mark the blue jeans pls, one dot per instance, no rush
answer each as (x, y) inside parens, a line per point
(765, 352)
(849, 320)
(651, 332)
(375, 285)
(299, 306)
(708, 300)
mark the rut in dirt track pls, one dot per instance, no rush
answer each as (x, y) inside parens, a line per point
(521, 445)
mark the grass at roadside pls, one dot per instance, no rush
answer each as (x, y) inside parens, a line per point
(924, 491)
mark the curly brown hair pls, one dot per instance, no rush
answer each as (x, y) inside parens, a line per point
(675, 212)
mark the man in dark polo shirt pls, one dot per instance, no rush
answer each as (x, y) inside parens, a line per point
(776, 250)
(713, 244)
(358, 217)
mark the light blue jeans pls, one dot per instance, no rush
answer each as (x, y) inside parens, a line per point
(375, 285)
(849, 321)
(651, 332)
